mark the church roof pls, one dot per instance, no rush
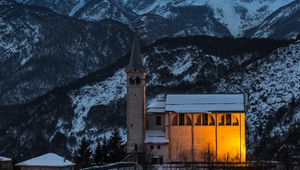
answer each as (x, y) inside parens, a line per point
(135, 55)
(2, 158)
(156, 107)
(205, 103)
(156, 136)
(47, 160)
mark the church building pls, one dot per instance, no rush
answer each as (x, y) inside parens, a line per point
(182, 127)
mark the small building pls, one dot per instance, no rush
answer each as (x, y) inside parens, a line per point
(49, 161)
(6, 163)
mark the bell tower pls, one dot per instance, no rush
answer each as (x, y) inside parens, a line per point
(136, 99)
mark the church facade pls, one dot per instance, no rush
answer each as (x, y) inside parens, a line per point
(182, 127)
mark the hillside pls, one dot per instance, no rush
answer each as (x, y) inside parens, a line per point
(40, 50)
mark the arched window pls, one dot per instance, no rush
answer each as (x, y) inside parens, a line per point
(208, 119)
(198, 121)
(188, 120)
(235, 121)
(175, 120)
(131, 80)
(222, 121)
(138, 80)
(211, 120)
(205, 119)
(181, 120)
(228, 119)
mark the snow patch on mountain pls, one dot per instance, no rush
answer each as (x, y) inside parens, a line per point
(79, 5)
(101, 93)
(181, 65)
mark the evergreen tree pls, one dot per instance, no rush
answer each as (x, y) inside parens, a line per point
(116, 147)
(83, 154)
(98, 154)
(105, 149)
(101, 152)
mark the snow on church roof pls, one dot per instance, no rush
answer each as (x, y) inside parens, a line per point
(156, 136)
(204, 102)
(2, 158)
(157, 107)
(47, 160)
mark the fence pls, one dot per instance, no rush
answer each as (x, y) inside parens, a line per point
(198, 165)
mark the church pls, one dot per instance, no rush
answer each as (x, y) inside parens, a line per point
(182, 127)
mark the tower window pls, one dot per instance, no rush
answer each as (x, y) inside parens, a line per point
(138, 81)
(151, 147)
(158, 120)
(131, 81)
(134, 81)
(158, 146)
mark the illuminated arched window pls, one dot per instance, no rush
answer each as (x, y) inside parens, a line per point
(222, 121)
(235, 121)
(198, 120)
(212, 120)
(228, 119)
(175, 120)
(181, 120)
(205, 119)
(188, 120)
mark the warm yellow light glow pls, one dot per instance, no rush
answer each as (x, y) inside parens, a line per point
(222, 141)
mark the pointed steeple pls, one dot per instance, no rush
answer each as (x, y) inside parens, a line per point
(135, 56)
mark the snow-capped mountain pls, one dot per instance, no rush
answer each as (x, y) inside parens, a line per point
(92, 105)
(236, 16)
(40, 50)
(284, 23)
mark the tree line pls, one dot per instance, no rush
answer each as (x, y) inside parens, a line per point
(107, 151)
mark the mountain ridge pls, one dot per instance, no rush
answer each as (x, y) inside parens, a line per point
(237, 16)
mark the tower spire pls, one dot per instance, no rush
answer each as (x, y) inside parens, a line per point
(135, 56)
